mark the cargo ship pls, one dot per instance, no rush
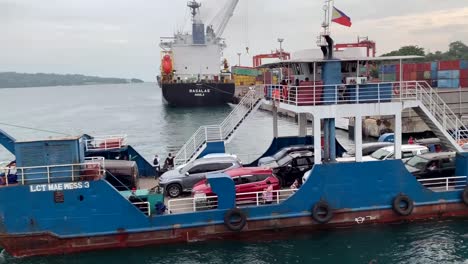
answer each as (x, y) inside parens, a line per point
(66, 203)
(193, 72)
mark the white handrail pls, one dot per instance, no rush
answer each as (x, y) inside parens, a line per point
(199, 203)
(57, 173)
(219, 132)
(106, 142)
(444, 184)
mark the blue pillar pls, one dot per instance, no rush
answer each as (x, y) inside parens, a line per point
(332, 139)
(326, 139)
(331, 76)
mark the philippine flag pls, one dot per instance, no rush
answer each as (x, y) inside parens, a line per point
(340, 17)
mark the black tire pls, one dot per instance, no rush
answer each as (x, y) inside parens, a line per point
(174, 190)
(407, 209)
(465, 195)
(322, 212)
(237, 225)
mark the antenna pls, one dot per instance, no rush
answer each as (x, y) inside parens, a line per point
(194, 5)
(327, 9)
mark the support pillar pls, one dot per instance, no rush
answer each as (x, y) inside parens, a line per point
(358, 138)
(302, 121)
(332, 139)
(397, 134)
(317, 141)
(275, 120)
(326, 139)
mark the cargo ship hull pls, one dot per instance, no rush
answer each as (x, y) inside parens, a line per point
(50, 244)
(197, 94)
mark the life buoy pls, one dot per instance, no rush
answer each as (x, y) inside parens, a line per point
(407, 209)
(322, 212)
(285, 93)
(235, 219)
(465, 196)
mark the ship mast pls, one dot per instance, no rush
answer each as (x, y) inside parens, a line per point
(195, 6)
(324, 40)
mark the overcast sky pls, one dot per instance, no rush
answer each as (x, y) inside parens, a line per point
(119, 38)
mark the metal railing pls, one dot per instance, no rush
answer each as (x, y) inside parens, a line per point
(106, 142)
(63, 173)
(219, 132)
(202, 202)
(444, 184)
(144, 207)
(383, 92)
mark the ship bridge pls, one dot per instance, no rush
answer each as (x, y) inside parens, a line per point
(335, 88)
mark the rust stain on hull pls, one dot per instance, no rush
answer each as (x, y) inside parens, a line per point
(47, 244)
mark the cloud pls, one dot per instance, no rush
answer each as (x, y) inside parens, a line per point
(120, 37)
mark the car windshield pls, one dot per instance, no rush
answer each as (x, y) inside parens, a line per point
(417, 162)
(185, 168)
(380, 154)
(280, 154)
(284, 160)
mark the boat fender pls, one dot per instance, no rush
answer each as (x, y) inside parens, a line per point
(405, 210)
(465, 195)
(285, 92)
(322, 212)
(235, 219)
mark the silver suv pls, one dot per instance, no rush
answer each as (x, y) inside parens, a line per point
(180, 180)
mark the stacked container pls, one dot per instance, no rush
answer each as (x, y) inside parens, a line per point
(464, 73)
(448, 75)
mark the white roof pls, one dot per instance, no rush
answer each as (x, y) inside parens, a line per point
(405, 147)
(320, 60)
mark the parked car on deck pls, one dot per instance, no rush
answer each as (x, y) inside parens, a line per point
(407, 152)
(247, 180)
(369, 148)
(292, 166)
(432, 165)
(283, 152)
(180, 180)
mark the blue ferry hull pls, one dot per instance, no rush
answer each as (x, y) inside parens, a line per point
(359, 193)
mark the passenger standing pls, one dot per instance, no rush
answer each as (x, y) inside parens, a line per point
(157, 166)
(169, 163)
(268, 194)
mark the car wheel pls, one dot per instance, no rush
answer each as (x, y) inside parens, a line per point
(174, 190)
(280, 180)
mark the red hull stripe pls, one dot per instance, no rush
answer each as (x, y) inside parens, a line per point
(49, 244)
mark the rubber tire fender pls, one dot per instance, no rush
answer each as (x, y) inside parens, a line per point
(465, 195)
(320, 207)
(403, 211)
(238, 226)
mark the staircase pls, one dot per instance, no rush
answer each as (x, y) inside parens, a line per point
(447, 126)
(223, 132)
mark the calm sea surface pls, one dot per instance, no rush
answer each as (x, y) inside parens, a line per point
(138, 112)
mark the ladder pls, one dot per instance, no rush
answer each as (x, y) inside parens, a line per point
(223, 132)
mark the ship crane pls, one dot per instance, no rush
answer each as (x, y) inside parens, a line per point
(223, 17)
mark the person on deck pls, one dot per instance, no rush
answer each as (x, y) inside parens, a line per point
(410, 140)
(268, 194)
(156, 165)
(169, 163)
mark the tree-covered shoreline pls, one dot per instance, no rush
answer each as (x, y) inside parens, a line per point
(17, 80)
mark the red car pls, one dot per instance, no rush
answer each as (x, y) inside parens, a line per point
(246, 179)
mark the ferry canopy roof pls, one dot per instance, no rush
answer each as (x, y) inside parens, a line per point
(283, 63)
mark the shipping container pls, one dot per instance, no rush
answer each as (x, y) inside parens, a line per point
(449, 65)
(453, 74)
(464, 83)
(464, 74)
(413, 76)
(427, 75)
(420, 75)
(448, 83)
(434, 66)
(388, 77)
(464, 65)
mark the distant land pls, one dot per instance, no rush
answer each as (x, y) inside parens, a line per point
(16, 80)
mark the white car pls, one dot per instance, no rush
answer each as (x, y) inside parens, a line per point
(407, 152)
